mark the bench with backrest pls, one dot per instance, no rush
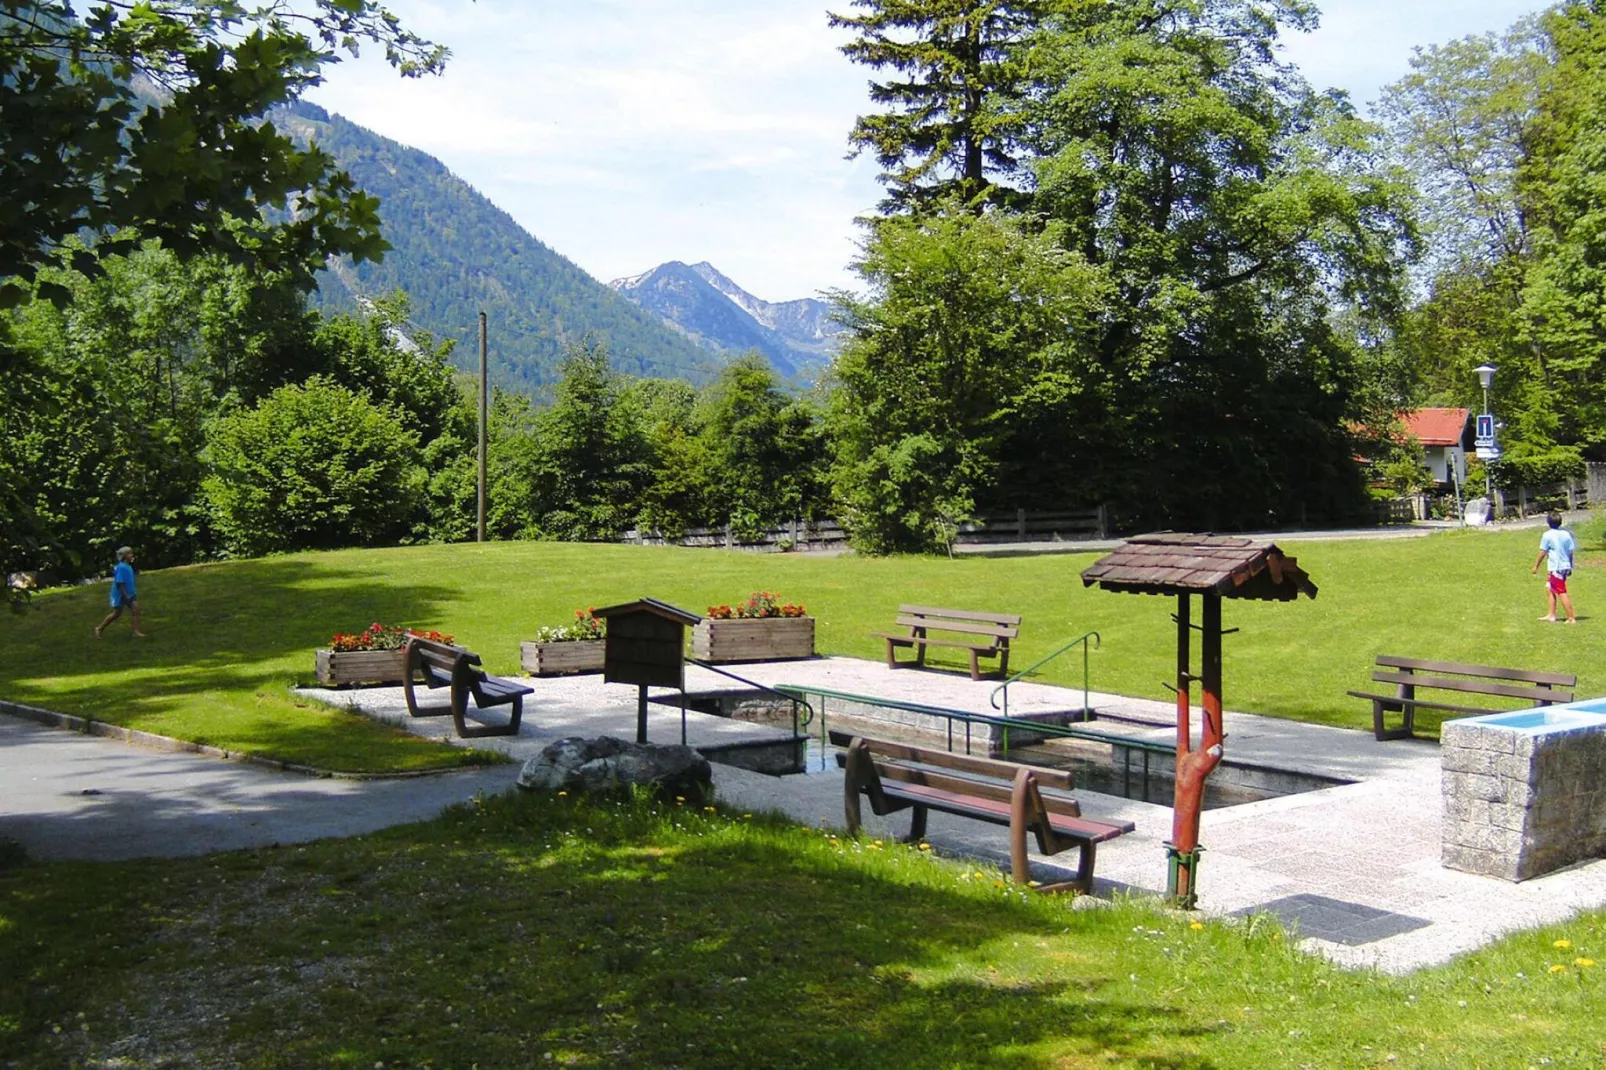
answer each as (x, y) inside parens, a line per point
(1410, 675)
(1028, 799)
(441, 665)
(984, 635)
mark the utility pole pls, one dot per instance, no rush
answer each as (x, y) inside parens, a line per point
(484, 414)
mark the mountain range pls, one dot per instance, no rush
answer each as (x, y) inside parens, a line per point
(455, 253)
(798, 337)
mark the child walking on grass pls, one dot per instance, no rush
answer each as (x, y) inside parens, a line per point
(122, 593)
(1556, 549)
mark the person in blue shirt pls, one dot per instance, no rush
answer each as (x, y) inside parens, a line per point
(122, 593)
(1556, 549)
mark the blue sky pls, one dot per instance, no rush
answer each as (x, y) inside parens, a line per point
(624, 133)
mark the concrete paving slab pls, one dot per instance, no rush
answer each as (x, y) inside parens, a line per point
(1372, 844)
(64, 795)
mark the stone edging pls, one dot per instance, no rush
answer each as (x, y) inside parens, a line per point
(89, 726)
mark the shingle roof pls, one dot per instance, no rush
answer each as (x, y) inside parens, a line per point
(1436, 427)
(1177, 562)
(649, 605)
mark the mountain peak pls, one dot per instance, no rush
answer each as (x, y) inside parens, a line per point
(799, 337)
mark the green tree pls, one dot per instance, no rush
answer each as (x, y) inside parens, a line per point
(762, 459)
(1563, 182)
(150, 116)
(312, 466)
(592, 462)
(1223, 217)
(975, 329)
(948, 126)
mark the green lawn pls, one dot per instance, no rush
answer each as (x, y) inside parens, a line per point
(546, 931)
(228, 639)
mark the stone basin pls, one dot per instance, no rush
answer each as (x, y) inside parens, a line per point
(1523, 794)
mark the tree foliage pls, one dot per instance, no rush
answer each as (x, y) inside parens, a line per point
(150, 116)
(1215, 220)
(314, 465)
(953, 76)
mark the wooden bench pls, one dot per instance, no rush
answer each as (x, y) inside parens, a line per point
(995, 630)
(1410, 674)
(453, 667)
(897, 776)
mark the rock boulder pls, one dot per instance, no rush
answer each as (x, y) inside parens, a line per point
(605, 765)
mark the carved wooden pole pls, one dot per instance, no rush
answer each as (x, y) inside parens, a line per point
(1193, 766)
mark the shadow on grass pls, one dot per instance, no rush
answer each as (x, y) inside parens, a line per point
(608, 937)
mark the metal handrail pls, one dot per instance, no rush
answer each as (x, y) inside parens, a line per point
(968, 718)
(1082, 639)
(797, 728)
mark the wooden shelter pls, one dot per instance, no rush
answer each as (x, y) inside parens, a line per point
(1213, 567)
(646, 646)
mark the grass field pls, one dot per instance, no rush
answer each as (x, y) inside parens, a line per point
(550, 932)
(227, 640)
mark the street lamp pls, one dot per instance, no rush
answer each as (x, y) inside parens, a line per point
(1487, 450)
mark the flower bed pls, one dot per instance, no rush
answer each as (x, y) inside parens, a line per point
(374, 656)
(565, 648)
(763, 628)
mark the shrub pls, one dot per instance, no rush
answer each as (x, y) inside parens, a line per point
(313, 466)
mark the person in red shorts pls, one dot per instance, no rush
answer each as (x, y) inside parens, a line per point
(1556, 549)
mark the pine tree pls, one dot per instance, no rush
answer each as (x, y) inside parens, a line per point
(953, 71)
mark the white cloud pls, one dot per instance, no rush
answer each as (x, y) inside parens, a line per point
(624, 133)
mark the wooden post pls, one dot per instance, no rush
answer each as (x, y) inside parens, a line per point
(1522, 500)
(1193, 766)
(1020, 524)
(1103, 521)
(484, 434)
(641, 713)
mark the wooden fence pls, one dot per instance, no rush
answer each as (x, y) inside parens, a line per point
(1524, 501)
(1020, 526)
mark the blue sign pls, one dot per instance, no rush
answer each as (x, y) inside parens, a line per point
(1485, 433)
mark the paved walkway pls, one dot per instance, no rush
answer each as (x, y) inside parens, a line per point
(65, 795)
(1355, 866)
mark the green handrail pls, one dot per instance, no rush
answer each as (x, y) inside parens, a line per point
(1082, 639)
(967, 718)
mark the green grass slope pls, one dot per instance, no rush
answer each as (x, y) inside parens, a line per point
(551, 932)
(228, 639)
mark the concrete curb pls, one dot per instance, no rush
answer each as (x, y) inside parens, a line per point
(90, 727)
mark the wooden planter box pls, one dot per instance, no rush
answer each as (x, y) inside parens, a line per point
(553, 659)
(760, 639)
(338, 668)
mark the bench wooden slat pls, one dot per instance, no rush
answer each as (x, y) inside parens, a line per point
(987, 794)
(1473, 687)
(1392, 702)
(455, 668)
(894, 778)
(961, 614)
(1007, 631)
(923, 620)
(968, 806)
(993, 767)
(1496, 672)
(1414, 675)
(920, 640)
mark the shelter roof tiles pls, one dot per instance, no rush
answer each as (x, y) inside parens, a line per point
(1174, 562)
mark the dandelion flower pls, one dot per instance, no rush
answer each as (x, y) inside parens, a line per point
(1562, 945)
(1196, 925)
(1558, 968)
(1583, 963)
(925, 847)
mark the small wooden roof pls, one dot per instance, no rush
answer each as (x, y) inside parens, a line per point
(1178, 562)
(650, 605)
